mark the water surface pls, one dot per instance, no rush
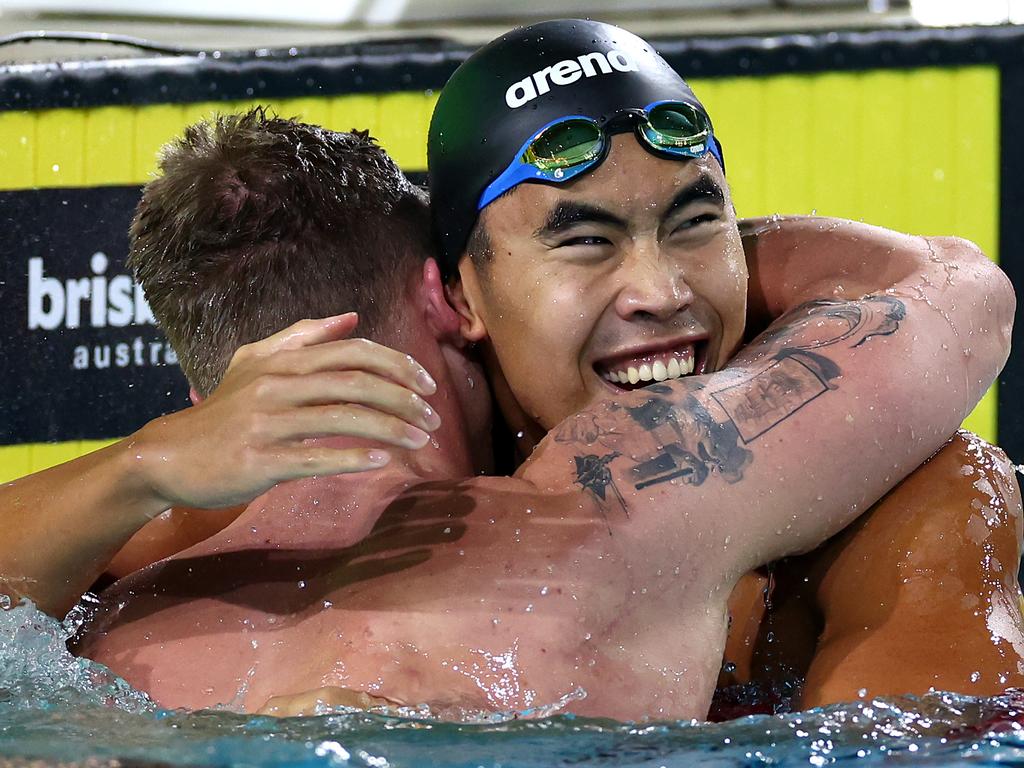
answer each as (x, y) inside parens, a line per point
(57, 708)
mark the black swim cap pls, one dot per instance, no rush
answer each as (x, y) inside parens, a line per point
(513, 87)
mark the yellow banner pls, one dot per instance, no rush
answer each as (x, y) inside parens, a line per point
(914, 150)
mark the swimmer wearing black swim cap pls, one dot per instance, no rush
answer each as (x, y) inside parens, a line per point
(538, 104)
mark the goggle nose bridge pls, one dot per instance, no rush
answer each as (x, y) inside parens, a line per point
(523, 169)
(623, 121)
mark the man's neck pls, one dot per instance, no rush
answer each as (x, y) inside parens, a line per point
(338, 510)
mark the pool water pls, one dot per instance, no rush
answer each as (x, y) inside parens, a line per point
(56, 708)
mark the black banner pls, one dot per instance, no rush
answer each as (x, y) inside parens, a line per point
(382, 66)
(1011, 249)
(82, 358)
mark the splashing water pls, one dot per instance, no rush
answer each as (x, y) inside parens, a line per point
(38, 672)
(56, 708)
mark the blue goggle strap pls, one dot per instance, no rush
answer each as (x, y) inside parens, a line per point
(519, 170)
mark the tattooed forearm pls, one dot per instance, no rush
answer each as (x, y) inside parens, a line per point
(824, 322)
(784, 370)
(790, 382)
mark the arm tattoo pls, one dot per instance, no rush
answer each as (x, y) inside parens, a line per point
(691, 443)
(586, 429)
(592, 473)
(793, 379)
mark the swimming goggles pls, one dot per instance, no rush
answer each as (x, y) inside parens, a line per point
(569, 146)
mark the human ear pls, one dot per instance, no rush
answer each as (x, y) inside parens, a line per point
(464, 294)
(440, 316)
(194, 396)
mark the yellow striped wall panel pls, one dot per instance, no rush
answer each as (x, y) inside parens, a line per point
(915, 150)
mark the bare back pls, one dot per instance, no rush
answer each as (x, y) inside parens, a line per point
(605, 565)
(485, 595)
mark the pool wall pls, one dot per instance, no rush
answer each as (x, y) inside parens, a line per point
(898, 128)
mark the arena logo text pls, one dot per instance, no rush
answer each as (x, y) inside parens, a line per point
(566, 73)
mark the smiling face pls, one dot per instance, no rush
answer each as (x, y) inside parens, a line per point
(629, 274)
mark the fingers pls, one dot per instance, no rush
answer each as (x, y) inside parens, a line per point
(365, 389)
(344, 420)
(356, 354)
(305, 333)
(311, 461)
(311, 346)
(319, 701)
(308, 333)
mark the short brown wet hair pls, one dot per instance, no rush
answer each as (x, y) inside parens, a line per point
(256, 222)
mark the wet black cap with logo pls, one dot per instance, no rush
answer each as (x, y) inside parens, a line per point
(514, 86)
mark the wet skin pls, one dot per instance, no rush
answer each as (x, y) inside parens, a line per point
(607, 265)
(919, 594)
(588, 274)
(583, 571)
(443, 599)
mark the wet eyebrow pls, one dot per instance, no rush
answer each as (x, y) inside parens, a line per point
(703, 189)
(567, 214)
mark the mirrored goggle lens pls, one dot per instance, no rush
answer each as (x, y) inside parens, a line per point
(678, 126)
(564, 145)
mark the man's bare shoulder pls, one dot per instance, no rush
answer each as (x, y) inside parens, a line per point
(267, 566)
(475, 558)
(481, 520)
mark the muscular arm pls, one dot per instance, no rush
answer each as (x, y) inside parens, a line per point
(63, 527)
(794, 259)
(814, 421)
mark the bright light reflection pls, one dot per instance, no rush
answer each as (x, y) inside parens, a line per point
(949, 13)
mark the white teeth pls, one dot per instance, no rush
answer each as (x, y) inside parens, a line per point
(656, 371)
